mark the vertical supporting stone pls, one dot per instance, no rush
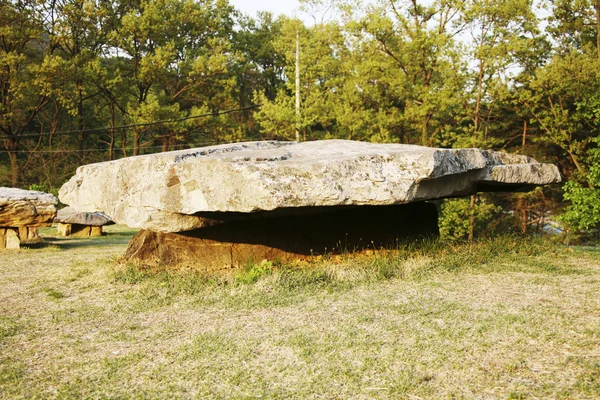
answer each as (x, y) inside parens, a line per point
(23, 232)
(33, 233)
(79, 230)
(28, 233)
(64, 229)
(12, 238)
(2, 238)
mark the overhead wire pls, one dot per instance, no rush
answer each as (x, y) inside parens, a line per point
(121, 127)
(115, 148)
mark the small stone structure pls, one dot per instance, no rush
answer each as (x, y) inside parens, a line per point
(205, 205)
(21, 213)
(80, 224)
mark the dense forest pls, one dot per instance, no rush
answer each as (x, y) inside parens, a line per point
(83, 81)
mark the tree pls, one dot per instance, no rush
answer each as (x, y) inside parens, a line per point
(554, 99)
(321, 51)
(574, 24)
(21, 53)
(77, 32)
(179, 52)
(417, 42)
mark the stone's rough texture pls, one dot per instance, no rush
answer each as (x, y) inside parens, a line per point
(29, 234)
(286, 238)
(82, 224)
(182, 190)
(12, 239)
(21, 213)
(78, 230)
(26, 208)
(68, 215)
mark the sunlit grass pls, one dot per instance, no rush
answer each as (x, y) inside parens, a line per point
(502, 318)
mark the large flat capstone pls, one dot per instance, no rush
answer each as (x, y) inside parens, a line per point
(190, 189)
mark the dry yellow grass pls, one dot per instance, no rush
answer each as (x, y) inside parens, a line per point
(461, 322)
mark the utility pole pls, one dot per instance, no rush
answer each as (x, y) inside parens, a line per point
(297, 87)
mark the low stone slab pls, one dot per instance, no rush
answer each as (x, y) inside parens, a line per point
(198, 188)
(68, 215)
(285, 239)
(80, 224)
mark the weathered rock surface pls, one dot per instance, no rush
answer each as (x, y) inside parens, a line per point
(68, 215)
(285, 239)
(191, 189)
(20, 207)
(78, 230)
(9, 238)
(81, 224)
(21, 213)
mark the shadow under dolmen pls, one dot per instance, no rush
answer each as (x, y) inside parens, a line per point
(239, 238)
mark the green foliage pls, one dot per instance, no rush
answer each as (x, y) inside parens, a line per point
(386, 71)
(253, 272)
(455, 216)
(583, 212)
(8, 327)
(53, 293)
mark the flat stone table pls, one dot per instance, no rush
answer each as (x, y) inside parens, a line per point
(21, 213)
(80, 224)
(278, 200)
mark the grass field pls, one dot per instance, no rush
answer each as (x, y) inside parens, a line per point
(508, 318)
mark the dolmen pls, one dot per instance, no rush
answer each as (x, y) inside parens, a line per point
(236, 203)
(22, 212)
(80, 224)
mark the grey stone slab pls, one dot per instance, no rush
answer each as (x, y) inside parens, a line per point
(174, 191)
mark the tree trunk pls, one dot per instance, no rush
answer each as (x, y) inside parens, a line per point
(12, 145)
(124, 142)
(14, 167)
(478, 104)
(597, 8)
(136, 143)
(165, 143)
(80, 125)
(523, 208)
(425, 130)
(472, 218)
(111, 146)
(137, 139)
(297, 88)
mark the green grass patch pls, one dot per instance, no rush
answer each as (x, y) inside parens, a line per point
(8, 327)
(53, 293)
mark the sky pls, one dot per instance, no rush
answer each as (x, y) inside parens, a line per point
(287, 7)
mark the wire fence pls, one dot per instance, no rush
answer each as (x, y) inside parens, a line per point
(129, 126)
(118, 148)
